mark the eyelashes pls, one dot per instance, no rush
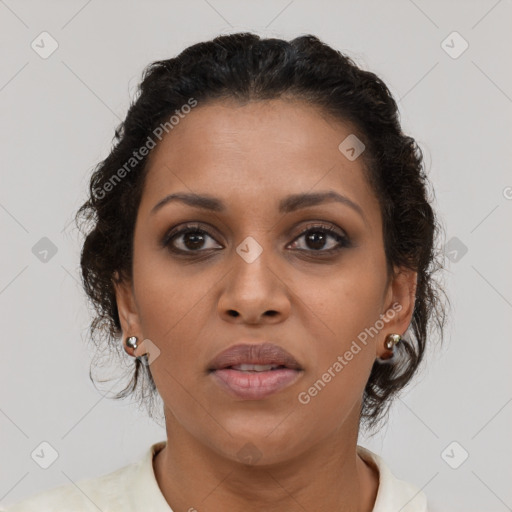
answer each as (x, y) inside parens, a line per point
(327, 232)
(188, 230)
(198, 238)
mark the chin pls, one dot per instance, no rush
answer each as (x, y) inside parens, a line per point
(259, 443)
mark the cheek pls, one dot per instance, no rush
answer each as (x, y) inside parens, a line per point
(343, 312)
(167, 293)
(175, 307)
(344, 356)
(345, 301)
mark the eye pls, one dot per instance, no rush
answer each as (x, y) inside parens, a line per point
(317, 236)
(191, 239)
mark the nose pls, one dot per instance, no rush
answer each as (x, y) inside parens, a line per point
(254, 292)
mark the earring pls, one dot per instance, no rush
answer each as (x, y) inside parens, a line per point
(390, 341)
(131, 342)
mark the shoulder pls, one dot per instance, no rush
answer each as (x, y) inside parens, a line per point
(105, 492)
(393, 493)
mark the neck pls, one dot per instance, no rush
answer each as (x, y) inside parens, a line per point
(328, 476)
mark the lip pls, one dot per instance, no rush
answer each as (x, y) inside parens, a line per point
(262, 353)
(254, 385)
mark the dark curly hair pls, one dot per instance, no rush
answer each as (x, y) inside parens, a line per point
(244, 67)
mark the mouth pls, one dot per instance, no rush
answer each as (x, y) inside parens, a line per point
(250, 357)
(255, 384)
(254, 372)
(253, 368)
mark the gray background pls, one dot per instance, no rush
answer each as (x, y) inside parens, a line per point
(58, 117)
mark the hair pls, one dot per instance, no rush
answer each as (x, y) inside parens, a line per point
(245, 67)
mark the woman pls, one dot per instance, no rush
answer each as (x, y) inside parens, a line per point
(261, 243)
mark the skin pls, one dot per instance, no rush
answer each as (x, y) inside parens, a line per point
(250, 157)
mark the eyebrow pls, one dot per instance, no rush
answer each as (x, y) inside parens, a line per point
(286, 205)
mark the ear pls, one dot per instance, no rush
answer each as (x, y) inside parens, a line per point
(128, 314)
(399, 304)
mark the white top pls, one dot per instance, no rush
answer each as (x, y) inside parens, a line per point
(135, 488)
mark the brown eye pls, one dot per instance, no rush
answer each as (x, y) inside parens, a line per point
(188, 239)
(191, 239)
(322, 239)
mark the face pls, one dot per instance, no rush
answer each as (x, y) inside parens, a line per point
(262, 267)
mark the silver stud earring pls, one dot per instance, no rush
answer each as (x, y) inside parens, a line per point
(131, 342)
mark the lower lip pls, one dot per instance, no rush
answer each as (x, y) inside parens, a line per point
(255, 385)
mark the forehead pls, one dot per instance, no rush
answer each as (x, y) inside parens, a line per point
(255, 153)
